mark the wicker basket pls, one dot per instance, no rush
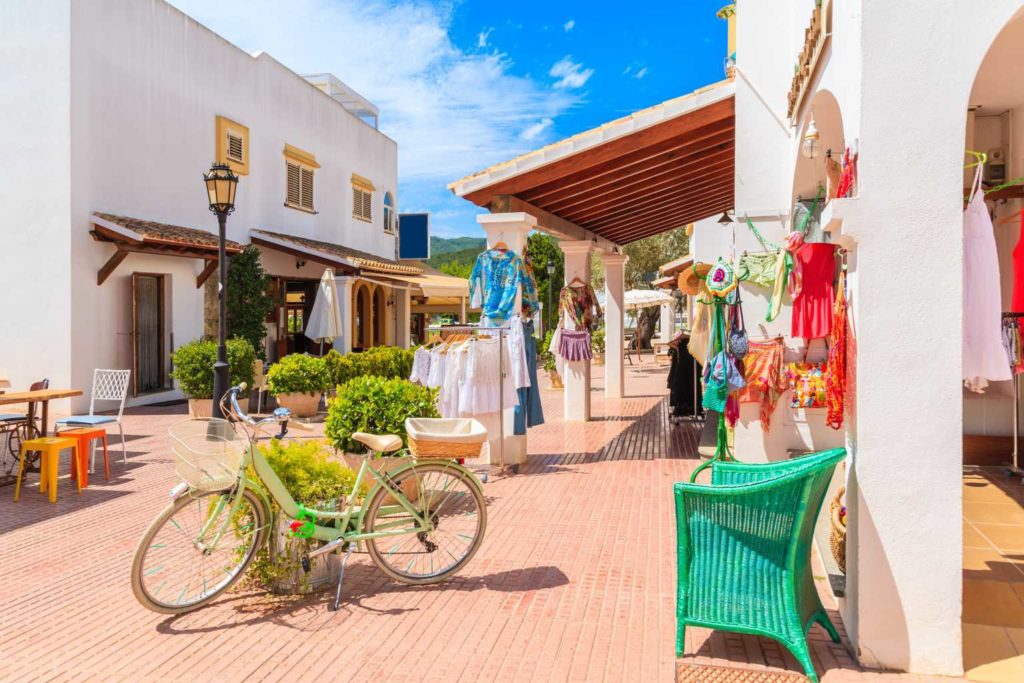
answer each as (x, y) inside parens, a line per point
(445, 438)
(207, 453)
(837, 539)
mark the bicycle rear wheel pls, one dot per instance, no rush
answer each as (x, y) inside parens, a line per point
(447, 495)
(180, 566)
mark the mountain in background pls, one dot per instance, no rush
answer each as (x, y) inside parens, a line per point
(455, 255)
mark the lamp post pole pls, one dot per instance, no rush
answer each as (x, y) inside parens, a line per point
(551, 284)
(220, 368)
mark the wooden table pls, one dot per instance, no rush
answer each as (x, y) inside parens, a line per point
(43, 396)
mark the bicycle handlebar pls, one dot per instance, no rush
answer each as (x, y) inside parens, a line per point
(281, 415)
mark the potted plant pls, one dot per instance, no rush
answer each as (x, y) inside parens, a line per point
(298, 381)
(312, 476)
(193, 370)
(597, 344)
(377, 405)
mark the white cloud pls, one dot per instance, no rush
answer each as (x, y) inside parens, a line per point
(568, 26)
(452, 112)
(483, 36)
(532, 132)
(569, 73)
(641, 73)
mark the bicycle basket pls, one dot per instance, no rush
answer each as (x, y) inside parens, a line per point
(207, 453)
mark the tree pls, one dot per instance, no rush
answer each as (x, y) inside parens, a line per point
(645, 257)
(248, 303)
(541, 250)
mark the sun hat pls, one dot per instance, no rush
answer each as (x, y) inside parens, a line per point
(688, 281)
(721, 279)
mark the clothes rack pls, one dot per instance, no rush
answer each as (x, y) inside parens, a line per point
(447, 331)
(1012, 319)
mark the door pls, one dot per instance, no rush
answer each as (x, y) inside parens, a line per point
(148, 332)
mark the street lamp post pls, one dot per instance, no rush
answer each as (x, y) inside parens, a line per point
(551, 283)
(221, 184)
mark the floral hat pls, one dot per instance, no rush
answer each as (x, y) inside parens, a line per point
(721, 279)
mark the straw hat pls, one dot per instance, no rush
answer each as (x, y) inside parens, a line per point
(689, 280)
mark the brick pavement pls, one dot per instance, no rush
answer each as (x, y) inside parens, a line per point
(574, 582)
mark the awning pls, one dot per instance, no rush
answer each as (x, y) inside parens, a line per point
(436, 285)
(140, 236)
(655, 170)
(329, 254)
(677, 266)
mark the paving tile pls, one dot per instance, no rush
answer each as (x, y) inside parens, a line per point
(1002, 536)
(995, 603)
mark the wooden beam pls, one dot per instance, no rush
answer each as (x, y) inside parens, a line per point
(670, 203)
(323, 259)
(207, 271)
(720, 162)
(668, 213)
(112, 263)
(655, 197)
(609, 151)
(112, 235)
(631, 233)
(549, 222)
(693, 157)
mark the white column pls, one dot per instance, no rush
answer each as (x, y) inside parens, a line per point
(667, 322)
(614, 324)
(577, 373)
(343, 344)
(403, 317)
(512, 229)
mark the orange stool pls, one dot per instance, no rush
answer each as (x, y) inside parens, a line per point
(50, 447)
(84, 435)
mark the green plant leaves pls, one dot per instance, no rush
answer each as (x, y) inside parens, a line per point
(298, 373)
(193, 365)
(376, 405)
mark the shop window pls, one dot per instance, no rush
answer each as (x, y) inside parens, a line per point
(232, 146)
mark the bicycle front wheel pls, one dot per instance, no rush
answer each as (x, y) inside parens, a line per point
(196, 549)
(451, 499)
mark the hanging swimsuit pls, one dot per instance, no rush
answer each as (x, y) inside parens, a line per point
(759, 268)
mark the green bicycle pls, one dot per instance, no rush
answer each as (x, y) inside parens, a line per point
(420, 524)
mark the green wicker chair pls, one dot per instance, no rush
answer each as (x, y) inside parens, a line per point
(744, 550)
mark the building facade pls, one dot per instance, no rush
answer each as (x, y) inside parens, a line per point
(113, 113)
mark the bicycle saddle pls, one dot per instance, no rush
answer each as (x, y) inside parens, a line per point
(381, 443)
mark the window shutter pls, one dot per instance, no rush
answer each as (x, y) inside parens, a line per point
(367, 206)
(307, 188)
(294, 194)
(235, 148)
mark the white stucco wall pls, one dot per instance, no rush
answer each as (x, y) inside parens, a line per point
(114, 104)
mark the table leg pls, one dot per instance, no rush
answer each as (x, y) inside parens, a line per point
(45, 417)
(31, 428)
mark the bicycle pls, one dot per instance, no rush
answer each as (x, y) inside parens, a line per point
(219, 517)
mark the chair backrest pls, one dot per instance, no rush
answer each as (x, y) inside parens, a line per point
(109, 385)
(259, 377)
(39, 386)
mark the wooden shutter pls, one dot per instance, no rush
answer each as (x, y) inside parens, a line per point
(307, 188)
(367, 205)
(294, 194)
(235, 148)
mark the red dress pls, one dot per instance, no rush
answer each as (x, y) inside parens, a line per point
(812, 309)
(1018, 270)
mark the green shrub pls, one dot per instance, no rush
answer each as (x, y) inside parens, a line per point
(248, 303)
(376, 405)
(298, 374)
(597, 340)
(379, 361)
(547, 359)
(193, 365)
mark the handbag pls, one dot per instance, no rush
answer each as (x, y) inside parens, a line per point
(739, 344)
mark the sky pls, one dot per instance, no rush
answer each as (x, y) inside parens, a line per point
(463, 84)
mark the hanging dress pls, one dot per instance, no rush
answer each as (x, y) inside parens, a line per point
(812, 307)
(984, 358)
(1018, 270)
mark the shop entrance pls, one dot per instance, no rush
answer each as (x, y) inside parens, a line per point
(294, 308)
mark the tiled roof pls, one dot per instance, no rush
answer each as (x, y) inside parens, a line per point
(364, 260)
(146, 232)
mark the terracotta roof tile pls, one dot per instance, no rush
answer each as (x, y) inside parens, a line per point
(151, 232)
(364, 260)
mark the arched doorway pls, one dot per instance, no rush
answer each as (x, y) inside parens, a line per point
(362, 316)
(379, 317)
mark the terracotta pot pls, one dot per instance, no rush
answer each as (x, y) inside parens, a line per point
(409, 487)
(200, 407)
(599, 358)
(556, 379)
(301, 404)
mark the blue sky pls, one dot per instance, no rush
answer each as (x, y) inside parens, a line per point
(462, 85)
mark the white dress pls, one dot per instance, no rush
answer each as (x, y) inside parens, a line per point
(518, 372)
(984, 356)
(420, 366)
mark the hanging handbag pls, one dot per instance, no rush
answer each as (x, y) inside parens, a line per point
(739, 344)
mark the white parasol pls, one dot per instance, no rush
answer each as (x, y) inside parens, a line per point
(325, 318)
(644, 298)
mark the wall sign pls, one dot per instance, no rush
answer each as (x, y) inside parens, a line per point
(414, 236)
(815, 37)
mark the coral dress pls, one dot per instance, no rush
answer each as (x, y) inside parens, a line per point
(812, 308)
(1018, 270)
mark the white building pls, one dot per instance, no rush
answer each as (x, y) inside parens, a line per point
(112, 111)
(909, 86)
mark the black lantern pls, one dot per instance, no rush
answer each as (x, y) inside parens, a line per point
(221, 184)
(551, 268)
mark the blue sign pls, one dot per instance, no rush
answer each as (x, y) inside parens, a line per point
(414, 236)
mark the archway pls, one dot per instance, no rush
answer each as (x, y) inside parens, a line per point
(810, 173)
(362, 311)
(379, 317)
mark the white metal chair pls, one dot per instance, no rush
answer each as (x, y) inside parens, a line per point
(110, 386)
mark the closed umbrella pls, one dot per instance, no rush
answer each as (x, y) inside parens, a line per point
(643, 298)
(325, 318)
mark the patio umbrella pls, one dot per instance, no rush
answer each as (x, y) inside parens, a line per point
(644, 298)
(325, 318)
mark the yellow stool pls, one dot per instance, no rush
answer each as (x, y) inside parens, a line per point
(50, 447)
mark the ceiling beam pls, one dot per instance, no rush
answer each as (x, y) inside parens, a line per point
(653, 198)
(112, 263)
(676, 204)
(205, 274)
(631, 233)
(549, 223)
(651, 136)
(675, 214)
(640, 161)
(720, 162)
